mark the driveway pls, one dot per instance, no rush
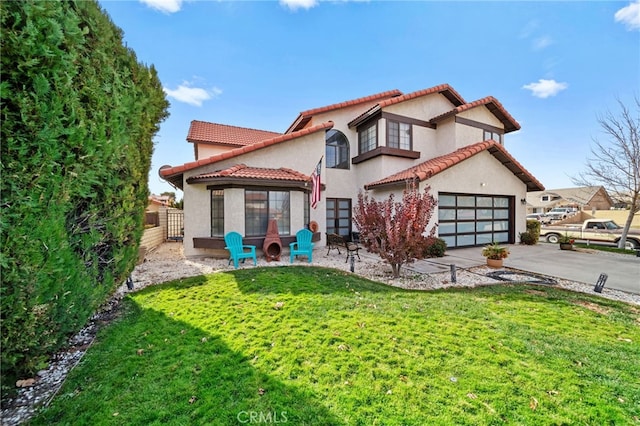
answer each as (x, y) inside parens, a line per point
(623, 271)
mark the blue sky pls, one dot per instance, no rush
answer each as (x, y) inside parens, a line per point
(555, 66)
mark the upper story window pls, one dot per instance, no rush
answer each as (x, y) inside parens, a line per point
(337, 150)
(368, 138)
(488, 134)
(546, 198)
(399, 135)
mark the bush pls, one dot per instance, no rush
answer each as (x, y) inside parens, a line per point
(78, 115)
(434, 247)
(532, 235)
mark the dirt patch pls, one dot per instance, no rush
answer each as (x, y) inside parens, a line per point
(592, 307)
(536, 292)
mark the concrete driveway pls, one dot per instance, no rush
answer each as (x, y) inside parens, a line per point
(584, 266)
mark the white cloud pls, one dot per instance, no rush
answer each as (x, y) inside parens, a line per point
(529, 29)
(629, 16)
(164, 6)
(192, 95)
(542, 42)
(299, 4)
(545, 88)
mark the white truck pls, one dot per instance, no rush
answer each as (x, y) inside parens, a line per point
(592, 230)
(560, 213)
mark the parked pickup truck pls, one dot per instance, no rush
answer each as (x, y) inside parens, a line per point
(560, 213)
(593, 230)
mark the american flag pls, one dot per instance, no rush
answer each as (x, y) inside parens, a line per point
(315, 185)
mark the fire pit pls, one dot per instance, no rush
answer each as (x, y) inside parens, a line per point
(272, 246)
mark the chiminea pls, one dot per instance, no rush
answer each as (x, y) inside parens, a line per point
(272, 247)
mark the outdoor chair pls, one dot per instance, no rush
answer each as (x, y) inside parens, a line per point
(334, 241)
(302, 246)
(352, 248)
(233, 240)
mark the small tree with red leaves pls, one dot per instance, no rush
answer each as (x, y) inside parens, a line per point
(394, 230)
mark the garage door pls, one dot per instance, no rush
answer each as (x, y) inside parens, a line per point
(466, 220)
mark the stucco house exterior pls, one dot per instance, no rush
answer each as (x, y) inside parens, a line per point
(585, 198)
(241, 178)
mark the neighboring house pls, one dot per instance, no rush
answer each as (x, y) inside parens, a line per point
(157, 201)
(243, 177)
(585, 198)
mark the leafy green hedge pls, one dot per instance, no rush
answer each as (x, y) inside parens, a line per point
(78, 114)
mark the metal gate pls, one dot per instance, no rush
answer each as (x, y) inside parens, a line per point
(175, 225)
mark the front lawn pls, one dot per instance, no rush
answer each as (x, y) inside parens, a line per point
(314, 346)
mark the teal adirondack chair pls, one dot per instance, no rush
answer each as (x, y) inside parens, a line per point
(303, 245)
(233, 240)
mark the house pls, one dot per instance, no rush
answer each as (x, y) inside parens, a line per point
(241, 178)
(587, 198)
(158, 201)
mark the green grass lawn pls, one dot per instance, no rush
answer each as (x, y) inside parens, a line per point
(610, 249)
(314, 346)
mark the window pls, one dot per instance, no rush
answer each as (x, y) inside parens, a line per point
(368, 138)
(217, 212)
(337, 150)
(260, 206)
(488, 134)
(339, 216)
(545, 198)
(399, 135)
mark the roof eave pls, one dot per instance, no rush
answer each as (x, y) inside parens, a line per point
(226, 181)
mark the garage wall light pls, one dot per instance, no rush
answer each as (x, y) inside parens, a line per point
(523, 201)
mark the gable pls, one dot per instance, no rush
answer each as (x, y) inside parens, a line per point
(175, 174)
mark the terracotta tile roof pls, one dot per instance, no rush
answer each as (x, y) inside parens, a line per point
(205, 132)
(168, 172)
(305, 116)
(436, 165)
(242, 171)
(444, 89)
(496, 108)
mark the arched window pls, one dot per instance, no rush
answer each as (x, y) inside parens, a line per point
(337, 150)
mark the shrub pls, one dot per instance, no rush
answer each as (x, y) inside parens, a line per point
(78, 114)
(394, 229)
(434, 247)
(532, 235)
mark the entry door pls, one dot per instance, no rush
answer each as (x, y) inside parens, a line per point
(339, 216)
(466, 220)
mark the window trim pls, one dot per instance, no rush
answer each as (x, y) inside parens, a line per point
(375, 136)
(220, 198)
(337, 217)
(268, 209)
(398, 146)
(490, 134)
(341, 163)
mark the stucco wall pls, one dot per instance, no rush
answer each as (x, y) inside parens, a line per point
(206, 150)
(469, 177)
(422, 108)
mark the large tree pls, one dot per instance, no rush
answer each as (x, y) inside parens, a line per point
(615, 161)
(394, 230)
